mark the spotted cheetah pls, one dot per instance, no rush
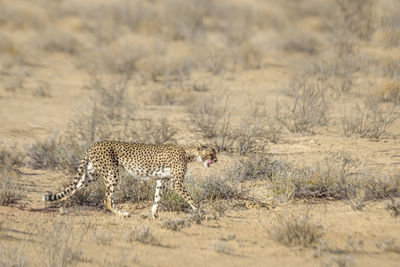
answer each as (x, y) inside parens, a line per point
(159, 162)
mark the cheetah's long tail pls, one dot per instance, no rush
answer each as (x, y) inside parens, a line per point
(75, 185)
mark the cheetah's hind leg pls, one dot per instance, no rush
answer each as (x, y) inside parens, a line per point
(111, 183)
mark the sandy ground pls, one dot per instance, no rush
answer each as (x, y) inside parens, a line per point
(239, 238)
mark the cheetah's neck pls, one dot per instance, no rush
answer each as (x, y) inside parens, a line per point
(192, 153)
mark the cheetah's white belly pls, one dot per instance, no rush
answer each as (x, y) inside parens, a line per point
(146, 175)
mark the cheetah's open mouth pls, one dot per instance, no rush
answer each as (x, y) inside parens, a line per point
(208, 163)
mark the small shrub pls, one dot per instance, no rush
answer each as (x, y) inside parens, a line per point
(10, 158)
(110, 96)
(93, 195)
(339, 261)
(10, 191)
(378, 185)
(296, 230)
(248, 138)
(197, 216)
(217, 188)
(207, 114)
(335, 178)
(171, 201)
(319, 181)
(175, 224)
(309, 109)
(371, 122)
(388, 245)
(358, 202)
(251, 135)
(133, 190)
(10, 161)
(54, 154)
(393, 207)
(255, 167)
(143, 235)
(222, 248)
(42, 90)
(60, 244)
(158, 132)
(219, 209)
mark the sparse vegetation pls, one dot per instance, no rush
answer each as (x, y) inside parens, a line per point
(393, 207)
(209, 116)
(388, 245)
(158, 132)
(252, 78)
(54, 154)
(142, 234)
(102, 237)
(60, 243)
(13, 256)
(296, 230)
(372, 122)
(10, 158)
(310, 106)
(175, 224)
(10, 161)
(216, 188)
(222, 248)
(358, 202)
(10, 191)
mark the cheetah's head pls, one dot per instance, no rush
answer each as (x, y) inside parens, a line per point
(206, 154)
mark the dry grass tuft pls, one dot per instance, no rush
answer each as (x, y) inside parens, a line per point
(54, 153)
(208, 115)
(296, 230)
(143, 235)
(10, 191)
(373, 122)
(310, 107)
(176, 224)
(393, 207)
(157, 132)
(10, 161)
(60, 242)
(388, 245)
(222, 248)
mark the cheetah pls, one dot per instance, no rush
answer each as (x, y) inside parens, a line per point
(159, 162)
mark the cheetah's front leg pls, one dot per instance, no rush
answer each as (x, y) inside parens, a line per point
(157, 197)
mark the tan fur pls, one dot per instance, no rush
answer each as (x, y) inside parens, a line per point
(159, 162)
